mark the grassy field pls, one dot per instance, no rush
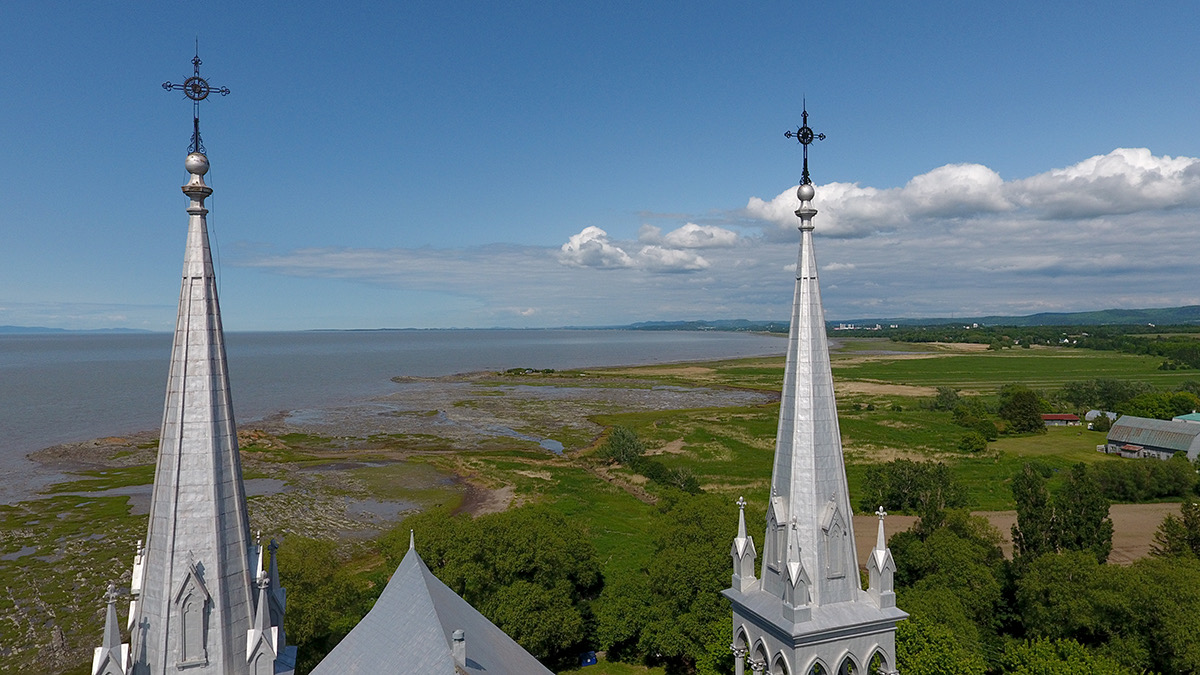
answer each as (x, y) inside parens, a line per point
(984, 372)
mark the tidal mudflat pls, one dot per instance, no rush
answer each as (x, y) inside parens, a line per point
(347, 472)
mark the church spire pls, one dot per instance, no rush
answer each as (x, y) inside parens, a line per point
(195, 579)
(809, 480)
(810, 588)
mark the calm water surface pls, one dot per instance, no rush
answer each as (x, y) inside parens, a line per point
(58, 388)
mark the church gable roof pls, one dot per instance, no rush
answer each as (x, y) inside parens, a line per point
(410, 630)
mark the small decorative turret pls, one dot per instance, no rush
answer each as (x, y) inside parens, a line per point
(882, 568)
(743, 553)
(262, 640)
(112, 656)
(256, 549)
(795, 590)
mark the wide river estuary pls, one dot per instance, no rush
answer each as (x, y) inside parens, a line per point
(65, 387)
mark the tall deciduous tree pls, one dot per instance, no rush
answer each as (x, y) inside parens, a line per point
(1033, 535)
(1081, 521)
(1074, 519)
(1179, 535)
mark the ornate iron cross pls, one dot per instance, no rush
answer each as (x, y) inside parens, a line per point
(197, 89)
(805, 136)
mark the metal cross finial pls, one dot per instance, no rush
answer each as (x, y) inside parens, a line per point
(805, 136)
(197, 89)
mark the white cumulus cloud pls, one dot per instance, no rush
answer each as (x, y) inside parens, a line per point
(672, 252)
(1125, 180)
(692, 235)
(661, 259)
(592, 248)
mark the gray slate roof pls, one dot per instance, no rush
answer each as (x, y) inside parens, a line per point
(409, 630)
(1167, 434)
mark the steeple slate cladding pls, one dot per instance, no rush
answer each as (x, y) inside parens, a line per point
(808, 482)
(195, 595)
(807, 607)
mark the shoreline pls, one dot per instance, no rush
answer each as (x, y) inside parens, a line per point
(428, 406)
(75, 389)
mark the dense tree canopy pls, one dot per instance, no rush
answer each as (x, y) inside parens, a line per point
(1056, 657)
(922, 488)
(930, 648)
(1021, 407)
(528, 570)
(956, 569)
(1101, 394)
(1160, 405)
(324, 600)
(682, 619)
(1136, 480)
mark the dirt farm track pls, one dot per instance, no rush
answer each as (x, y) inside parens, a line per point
(1133, 529)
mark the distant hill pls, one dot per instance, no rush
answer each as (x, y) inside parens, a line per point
(1161, 316)
(33, 330)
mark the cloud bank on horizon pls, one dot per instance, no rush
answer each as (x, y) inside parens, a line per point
(1113, 230)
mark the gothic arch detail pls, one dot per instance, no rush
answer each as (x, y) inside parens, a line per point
(776, 541)
(817, 668)
(780, 665)
(848, 666)
(760, 653)
(833, 524)
(192, 603)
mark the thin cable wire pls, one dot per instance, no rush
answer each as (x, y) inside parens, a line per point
(213, 231)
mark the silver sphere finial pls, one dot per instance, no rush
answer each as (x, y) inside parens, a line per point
(805, 192)
(196, 163)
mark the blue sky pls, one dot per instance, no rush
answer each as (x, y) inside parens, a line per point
(463, 164)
